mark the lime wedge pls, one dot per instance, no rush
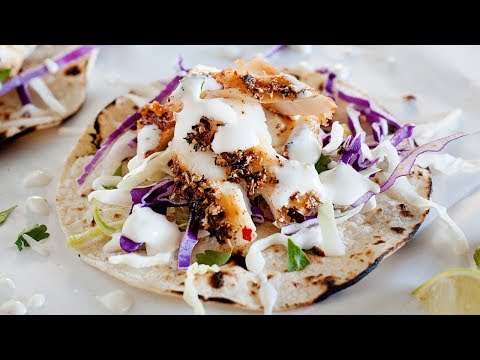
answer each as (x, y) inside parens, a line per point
(455, 291)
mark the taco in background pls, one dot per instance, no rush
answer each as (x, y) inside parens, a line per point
(41, 85)
(248, 186)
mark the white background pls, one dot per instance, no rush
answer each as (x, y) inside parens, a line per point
(441, 77)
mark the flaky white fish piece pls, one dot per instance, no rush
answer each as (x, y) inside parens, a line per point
(257, 80)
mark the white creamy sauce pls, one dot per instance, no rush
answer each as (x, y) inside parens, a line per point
(294, 177)
(119, 197)
(267, 294)
(117, 301)
(336, 138)
(114, 244)
(6, 283)
(13, 307)
(40, 247)
(244, 128)
(190, 294)
(105, 180)
(448, 164)
(146, 226)
(332, 244)
(39, 86)
(38, 205)
(119, 151)
(139, 261)
(148, 139)
(51, 65)
(432, 130)
(37, 178)
(343, 185)
(304, 145)
(36, 301)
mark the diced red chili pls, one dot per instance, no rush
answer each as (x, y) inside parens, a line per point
(247, 233)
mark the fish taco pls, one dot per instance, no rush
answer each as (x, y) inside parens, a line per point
(264, 188)
(41, 85)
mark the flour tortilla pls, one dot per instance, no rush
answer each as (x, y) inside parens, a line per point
(69, 85)
(369, 238)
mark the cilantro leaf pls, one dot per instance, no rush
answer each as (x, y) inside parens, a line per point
(476, 257)
(119, 170)
(297, 260)
(322, 163)
(4, 75)
(109, 187)
(212, 257)
(5, 213)
(37, 232)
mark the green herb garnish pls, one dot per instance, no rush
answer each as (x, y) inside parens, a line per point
(107, 229)
(212, 257)
(37, 232)
(109, 187)
(476, 257)
(5, 74)
(5, 213)
(322, 163)
(297, 260)
(181, 217)
(119, 171)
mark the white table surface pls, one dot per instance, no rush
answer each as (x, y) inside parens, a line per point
(441, 77)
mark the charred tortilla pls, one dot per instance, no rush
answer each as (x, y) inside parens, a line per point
(369, 238)
(68, 85)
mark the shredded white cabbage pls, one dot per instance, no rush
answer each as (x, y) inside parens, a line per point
(190, 294)
(39, 86)
(336, 138)
(332, 244)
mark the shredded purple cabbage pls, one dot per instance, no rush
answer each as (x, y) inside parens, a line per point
(123, 128)
(405, 132)
(293, 228)
(187, 243)
(24, 95)
(129, 245)
(180, 65)
(257, 215)
(405, 166)
(329, 85)
(62, 61)
(276, 49)
(133, 143)
(351, 149)
(156, 196)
